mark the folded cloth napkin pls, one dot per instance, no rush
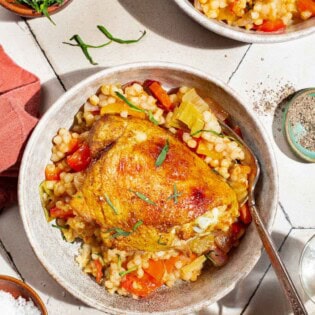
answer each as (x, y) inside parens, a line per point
(19, 104)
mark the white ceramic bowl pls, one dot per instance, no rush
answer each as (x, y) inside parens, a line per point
(293, 32)
(58, 256)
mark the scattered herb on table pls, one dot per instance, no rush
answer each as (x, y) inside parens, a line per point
(41, 6)
(162, 156)
(111, 204)
(138, 109)
(175, 195)
(80, 43)
(85, 47)
(143, 197)
(119, 40)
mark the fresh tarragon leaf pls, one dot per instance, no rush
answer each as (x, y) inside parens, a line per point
(143, 197)
(137, 109)
(119, 40)
(175, 195)
(162, 156)
(111, 205)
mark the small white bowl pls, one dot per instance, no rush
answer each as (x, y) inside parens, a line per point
(58, 256)
(293, 32)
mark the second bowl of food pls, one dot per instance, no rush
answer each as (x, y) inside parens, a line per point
(254, 21)
(144, 196)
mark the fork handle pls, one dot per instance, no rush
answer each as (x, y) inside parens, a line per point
(277, 264)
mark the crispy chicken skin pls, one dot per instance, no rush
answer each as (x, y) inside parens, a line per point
(124, 152)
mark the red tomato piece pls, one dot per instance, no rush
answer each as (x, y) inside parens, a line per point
(156, 270)
(139, 286)
(271, 26)
(238, 131)
(237, 230)
(80, 159)
(52, 172)
(170, 264)
(99, 271)
(245, 215)
(306, 5)
(58, 213)
(73, 145)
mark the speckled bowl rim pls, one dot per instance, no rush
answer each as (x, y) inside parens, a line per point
(117, 70)
(240, 34)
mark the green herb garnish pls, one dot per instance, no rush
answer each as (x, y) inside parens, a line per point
(162, 156)
(118, 232)
(41, 6)
(161, 243)
(119, 261)
(123, 273)
(111, 205)
(59, 227)
(121, 232)
(175, 195)
(118, 40)
(137, 225)
(211, 131)
(85, 47)
(137, 109)
(143, 197)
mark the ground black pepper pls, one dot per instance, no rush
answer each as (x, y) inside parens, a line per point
(302, 111)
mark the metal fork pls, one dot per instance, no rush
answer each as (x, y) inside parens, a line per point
(277, 264)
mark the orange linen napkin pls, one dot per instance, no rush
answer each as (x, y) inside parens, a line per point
(19, 103)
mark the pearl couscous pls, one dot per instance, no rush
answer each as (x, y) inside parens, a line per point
(184, 115)
(259, 15)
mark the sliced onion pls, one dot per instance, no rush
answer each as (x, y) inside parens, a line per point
(88, 107)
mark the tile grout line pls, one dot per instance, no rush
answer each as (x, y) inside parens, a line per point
(285, 214)
(303, 228)
(43, 52)
(263, 276)
(239, 64)
(11, 260)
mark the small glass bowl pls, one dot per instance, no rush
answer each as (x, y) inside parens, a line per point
(307, 268)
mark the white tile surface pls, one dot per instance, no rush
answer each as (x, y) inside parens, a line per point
(276, 66)
(171, 36)
(269, 296)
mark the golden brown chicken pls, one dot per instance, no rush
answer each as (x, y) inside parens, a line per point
(141, 206)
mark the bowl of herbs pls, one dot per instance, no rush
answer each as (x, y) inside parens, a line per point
(35, 8)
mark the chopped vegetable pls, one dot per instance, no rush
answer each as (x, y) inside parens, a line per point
(52, 172)
(306, 5)
(188, 114)
(159, 93)
(156, 270)
(99, 271)
(111, 205)
(193, 268)
(237, 230)
(44, 190)
(160, 241)
(117, 108)
(245, 215)
(73, 145)
(217, 257)
(80, 159)
(56, 212)
(118, 40)
(203, 130)
(143, 197)
(139, 286)
(162, 156)
(192, 97)
(271, 26)
(204, 149)
(170, 263)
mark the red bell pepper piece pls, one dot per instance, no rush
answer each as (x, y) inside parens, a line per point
(80, 159)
